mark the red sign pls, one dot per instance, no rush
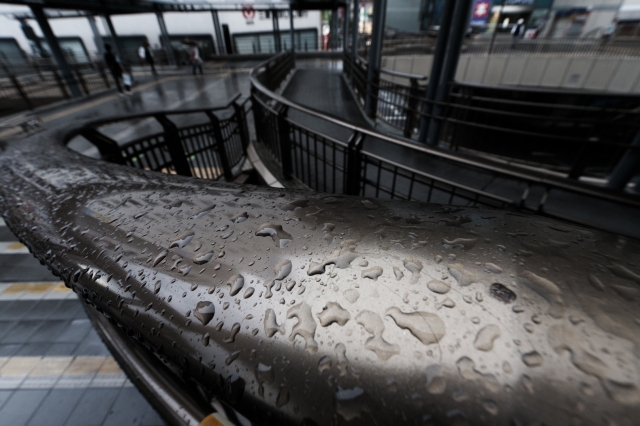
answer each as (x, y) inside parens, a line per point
(480, 12)
(248, 12)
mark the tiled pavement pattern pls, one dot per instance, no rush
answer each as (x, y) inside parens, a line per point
(54, 369)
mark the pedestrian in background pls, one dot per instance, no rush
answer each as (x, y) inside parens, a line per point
(194, 55)
(117, 70)
(146, 54)
(517, 31)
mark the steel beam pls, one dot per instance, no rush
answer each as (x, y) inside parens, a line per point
(459, 26)
(97, 38)
(292, 34)
(165, 39)
(627, 168)
(276, 31)
(220, 49)
(345, 27)
(354, 36)
(375, 56)
(114, 38)
(436, 68)
(67, 73)
(333, 30)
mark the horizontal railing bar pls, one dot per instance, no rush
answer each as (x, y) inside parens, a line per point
(438, 179)
(149, 114)
(512, 171)
(419, 77)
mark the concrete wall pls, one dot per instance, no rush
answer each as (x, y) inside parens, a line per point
(600, 74)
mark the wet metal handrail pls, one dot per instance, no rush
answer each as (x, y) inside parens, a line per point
(293, 307)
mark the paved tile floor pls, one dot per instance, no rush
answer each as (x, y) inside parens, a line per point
(54, 369)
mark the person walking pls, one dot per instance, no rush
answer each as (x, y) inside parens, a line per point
(194, 55)
(146, 54)
(517, 31)
(117, 70)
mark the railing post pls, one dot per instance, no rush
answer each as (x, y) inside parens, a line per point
(412, 107)
(174, 145)
(354, 164)
(19, 89)
(627, 167)
(220, 145)
(61, 85)
(108, 148)
(81, 80)
(241, 121)
(103, 74)
(284, 142)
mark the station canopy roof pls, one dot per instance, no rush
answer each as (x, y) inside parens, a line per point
(145, 6)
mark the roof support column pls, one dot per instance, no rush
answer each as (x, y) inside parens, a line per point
(220, 50)
(333, 32)
(354, 40)
(436, 68)
(459, 25)
(292, 34)
(114, 38)
(276, 31)
(375, 56)
(345, 27)
(33, 38)
(165, 39)
(67, 74)
(96, 35)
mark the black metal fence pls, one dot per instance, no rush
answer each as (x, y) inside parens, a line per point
(365, 164)
(397, 104)
(211, 144)
(576, 134)
(40, 83)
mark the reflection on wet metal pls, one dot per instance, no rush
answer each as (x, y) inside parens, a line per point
(503, 320)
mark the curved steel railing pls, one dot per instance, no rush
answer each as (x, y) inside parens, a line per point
(293, 307)
(360, 161)
(574, 133)
(207, 143)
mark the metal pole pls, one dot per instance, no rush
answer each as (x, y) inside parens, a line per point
(375, 55)
(165, 39)
(292, 34)
(345, 28)
(218, 32)
(460, 22)
(41, 18)
(276, 30)
(354, 39)
(334, 29)
(627, 167)
(436, 68)
(96, 35)
(31, 36)
(114, 38)
(495, 30)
